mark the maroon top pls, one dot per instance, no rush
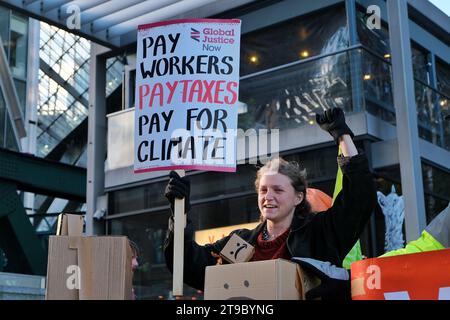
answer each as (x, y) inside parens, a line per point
(274, 249)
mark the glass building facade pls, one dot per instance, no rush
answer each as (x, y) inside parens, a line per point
(63, 105)
(14, 36)
(63, 109)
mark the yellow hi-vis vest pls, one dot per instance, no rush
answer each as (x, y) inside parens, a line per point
(436, 236)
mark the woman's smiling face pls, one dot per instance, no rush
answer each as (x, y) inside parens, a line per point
(277, 197)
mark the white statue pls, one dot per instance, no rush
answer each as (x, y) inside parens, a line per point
(393, 207)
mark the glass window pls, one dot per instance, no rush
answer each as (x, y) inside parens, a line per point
(213, 184)
(375, 39)
(4, 28)
(139, 198)
(293, 40)
(59, 113)
(436, 184)
(74, 152)
(10, 138)
(21, 88)
(376, 75)
(290, 97)
(114, 67)
(82, 160)
(39, 201)
(225, 213)
(3, 114)
(443, 77)
(47, 142)
(434, 205)
(420, 63)
(18, 46)
(427, 114)
(46, 224)
(132, 86)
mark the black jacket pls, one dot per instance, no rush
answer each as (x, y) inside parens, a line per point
(326, 236)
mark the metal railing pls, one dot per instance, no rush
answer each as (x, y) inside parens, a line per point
(288, 96)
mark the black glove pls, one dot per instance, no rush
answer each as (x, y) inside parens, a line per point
(178, 188)
(333, 121)
(335, 282)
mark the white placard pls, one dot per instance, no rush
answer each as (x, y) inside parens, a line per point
(187, 85)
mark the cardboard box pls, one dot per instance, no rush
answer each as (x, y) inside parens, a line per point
(260, 280)
(69, 225)
(237, 250)
(86, 268)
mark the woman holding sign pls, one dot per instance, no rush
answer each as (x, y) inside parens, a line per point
(289, 228)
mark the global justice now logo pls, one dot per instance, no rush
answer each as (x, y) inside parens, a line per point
(195, 34)
(212, 39)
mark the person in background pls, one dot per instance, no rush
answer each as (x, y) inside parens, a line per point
(134, 263)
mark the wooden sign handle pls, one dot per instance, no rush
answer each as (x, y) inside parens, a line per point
(178, 245)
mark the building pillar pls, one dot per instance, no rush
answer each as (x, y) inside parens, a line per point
(96, 147)
(32, 100)
(406, 118)
(354, 57)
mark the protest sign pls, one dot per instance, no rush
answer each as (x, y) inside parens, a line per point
(187, 84)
